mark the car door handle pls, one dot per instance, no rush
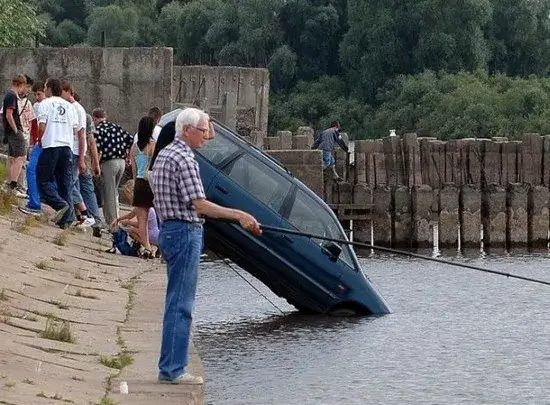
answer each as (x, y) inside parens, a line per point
(221, 189)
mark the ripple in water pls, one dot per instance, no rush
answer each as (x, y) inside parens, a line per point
(456, 336)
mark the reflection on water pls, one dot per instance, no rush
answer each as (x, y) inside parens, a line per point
(456, 336)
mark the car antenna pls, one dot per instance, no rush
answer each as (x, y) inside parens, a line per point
(401, 252)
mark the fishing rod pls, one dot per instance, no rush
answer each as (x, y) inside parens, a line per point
(400, 252)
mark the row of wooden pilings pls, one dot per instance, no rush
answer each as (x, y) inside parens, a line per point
(512, 216)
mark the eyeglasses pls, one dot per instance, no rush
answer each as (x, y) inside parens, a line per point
(203, 130)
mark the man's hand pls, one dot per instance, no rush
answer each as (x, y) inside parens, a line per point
(250, 223)
(97, 170)
(81, 165)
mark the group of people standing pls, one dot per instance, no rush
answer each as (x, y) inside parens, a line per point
(68, 153)
(76, 160)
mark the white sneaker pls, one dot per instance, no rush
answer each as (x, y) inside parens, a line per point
(86, 223)
(183, 379)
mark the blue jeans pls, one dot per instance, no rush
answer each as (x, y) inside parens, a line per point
(32, 185)
(54, 175)
(181, 245)
(328, 159)
(87, 191)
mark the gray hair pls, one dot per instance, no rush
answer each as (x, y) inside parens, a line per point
(189, 116)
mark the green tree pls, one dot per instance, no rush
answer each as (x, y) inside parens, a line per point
(282, 68)
(19, 24)
(119, 25)
(519, 37)
(194, 22)
(168, 24)
(386, 39)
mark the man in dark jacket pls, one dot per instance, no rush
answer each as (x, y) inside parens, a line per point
(326, 141)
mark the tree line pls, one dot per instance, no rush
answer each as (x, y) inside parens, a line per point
(444, 68)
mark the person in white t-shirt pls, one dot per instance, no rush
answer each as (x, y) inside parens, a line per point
(80, 212)
(57, 126)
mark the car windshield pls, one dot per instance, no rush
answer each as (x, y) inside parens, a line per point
(307, 215)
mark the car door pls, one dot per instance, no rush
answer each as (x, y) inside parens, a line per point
(315, 262)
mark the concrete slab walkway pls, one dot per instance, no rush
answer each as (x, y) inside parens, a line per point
(100, 312)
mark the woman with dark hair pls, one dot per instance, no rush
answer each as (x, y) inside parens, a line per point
(166, 137)
(140, 157)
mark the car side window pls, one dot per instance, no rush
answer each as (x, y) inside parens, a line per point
(260, 180)
(307, 215)
(218, 149)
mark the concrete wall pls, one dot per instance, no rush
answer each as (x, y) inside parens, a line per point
(126, 82)
(305, 165)
(206, 86)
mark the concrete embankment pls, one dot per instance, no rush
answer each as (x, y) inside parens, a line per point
(76, 321)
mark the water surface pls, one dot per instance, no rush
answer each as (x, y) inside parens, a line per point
(455, 336)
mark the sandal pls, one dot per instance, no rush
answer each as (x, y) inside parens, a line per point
(147, 254)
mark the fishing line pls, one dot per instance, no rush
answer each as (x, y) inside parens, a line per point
(400, 252)
(249, 283)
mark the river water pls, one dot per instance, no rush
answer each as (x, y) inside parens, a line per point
(455, 336)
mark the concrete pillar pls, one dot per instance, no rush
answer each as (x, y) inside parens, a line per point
(470, 216)
(491, 164)
(381, 216)
(517, 225)
(272, 143)
(452, 163)
(448, 216)
(257, 138)
(361, 167)
(422, 200)
(362, 195)
(411, 148)
(341, 163)
(286, 139)
(307, 132)
(300, 142)
(229, 110)
(546, 161)
(393, 160)
(509, 163)
(474, 162)
(402, 217)
(494, 216)
(328, 186)
(539, 200)
(531, 153)
(379, 163)
(345, 192)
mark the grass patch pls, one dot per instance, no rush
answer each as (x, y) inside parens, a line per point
(10, 384)
(61, 238)
(57, 330)
(7, 201)
(3, 295)
(107, 401)
(118, 362)
(75, 378)
(28, 381)
(42, 265)
(58, 259)
(31, 221)
(78, 275)
(83, 294)
(20, 227)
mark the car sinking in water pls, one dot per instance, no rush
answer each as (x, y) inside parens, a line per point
(313, 275)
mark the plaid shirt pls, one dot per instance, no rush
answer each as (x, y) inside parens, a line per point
(176, 182)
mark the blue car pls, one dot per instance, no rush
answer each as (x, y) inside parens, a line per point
(314, 276)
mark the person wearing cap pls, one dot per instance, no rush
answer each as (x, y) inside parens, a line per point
(327, 141)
